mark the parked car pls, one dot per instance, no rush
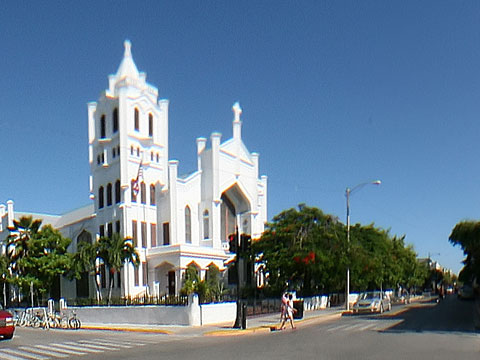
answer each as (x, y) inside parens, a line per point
(372, 302)
(7, 328)
(465, 292)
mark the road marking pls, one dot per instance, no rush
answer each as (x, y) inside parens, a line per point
(24, 354)
(105, 343)
(5, 356)
(44, 352)
(338, 327)
(92, 346)
(76, 347)
(56, 348)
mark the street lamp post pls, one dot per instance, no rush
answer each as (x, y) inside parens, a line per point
(348, 192)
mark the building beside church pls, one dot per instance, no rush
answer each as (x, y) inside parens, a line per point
(136, 190)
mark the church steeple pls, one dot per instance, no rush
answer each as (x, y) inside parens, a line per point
(127, 67)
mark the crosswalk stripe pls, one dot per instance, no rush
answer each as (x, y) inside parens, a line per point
(24, 354)
(75, 347)
(94, 346)
(44, 352)
(368, 326)
(5, 356)
(55, 348)
(338, 327)
(108, 343)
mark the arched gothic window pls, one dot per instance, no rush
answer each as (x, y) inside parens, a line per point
(100, 197)
(206, 224)
(188, 225)
(118, 194)
(103, 127)
(115, 120)
(143, 194)
(152, 194)
(136, 120)
(150, 125)
(109, 194)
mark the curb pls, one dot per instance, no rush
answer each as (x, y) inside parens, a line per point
(268, 328)
(126, 329)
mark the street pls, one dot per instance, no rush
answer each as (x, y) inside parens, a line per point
(418, 331)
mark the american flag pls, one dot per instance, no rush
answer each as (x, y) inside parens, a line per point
(136, 184)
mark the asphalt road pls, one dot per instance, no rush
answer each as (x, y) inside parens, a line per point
(428, 331)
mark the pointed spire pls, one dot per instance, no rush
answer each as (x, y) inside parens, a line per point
(237, 110)
(127, 67)
(237, 123)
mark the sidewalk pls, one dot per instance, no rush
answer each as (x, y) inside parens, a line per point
(255, 324)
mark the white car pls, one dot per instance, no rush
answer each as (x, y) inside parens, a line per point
(372, 302)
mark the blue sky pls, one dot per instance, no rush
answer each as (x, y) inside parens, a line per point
(334, 93)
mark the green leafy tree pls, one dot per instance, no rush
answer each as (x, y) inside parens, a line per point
(466, 234)
(36, 255)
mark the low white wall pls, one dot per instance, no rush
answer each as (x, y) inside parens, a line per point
(218, 313)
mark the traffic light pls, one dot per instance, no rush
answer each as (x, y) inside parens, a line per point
(246, 242)
(233, 242)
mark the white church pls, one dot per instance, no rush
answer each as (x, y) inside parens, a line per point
(174, 220)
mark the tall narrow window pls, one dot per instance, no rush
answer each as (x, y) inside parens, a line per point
(153, 234)
(101, 231)
(150, 125)
(206, 225)
(188, 225)
(166, 233)
(136, 120)
(117, 226)
(103, 127)
(109, 230)
(136, 276)
(143, 193)
(133, 186)
(144, 273)
(134, 233)
(144, 234)
(100, 197)
(109, 194)
(118, 194)
(152, 194)
(115, 120)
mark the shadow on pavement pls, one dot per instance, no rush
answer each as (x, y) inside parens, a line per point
(448, 315)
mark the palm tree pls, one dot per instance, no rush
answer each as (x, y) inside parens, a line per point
(115, 251)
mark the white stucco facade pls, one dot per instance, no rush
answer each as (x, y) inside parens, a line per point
(175, 220)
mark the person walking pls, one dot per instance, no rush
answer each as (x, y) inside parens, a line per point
(289, 310)
(283, 311)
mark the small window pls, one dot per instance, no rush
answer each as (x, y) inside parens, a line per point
(98, 159)
(115, 120)
(118, 193)
(166, 233)
(100, 197)
(150, 125)
(136, 120)
(131, 150)
(158, 158)
(144, 234)
(138, 151)
(134, 233)
(134, 188)
(109, 230)
(109, 194)
(101, 230)
(188, 225)
(206, 225)
(114, 152)
(103, 129)
(151, 156)
(152, 194)
(136, 276)
(144, 273)
(143, 193)
(153, 234)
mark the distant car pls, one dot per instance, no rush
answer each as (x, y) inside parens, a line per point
(465, 292)
(7, 328)
(372, 302)
(450, 290)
